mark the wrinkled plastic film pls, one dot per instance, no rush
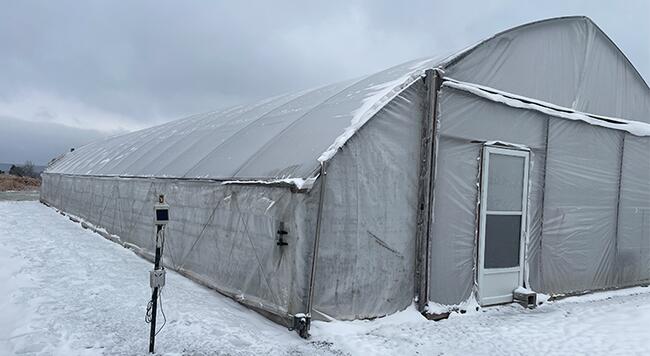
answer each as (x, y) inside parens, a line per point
(567, 61)
(224, 236)
(367, 245)
(581, 196)
(465, 123)
(633, 247)
(278, 138)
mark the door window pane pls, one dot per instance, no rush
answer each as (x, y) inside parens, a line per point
(505, 182)
(502, 240)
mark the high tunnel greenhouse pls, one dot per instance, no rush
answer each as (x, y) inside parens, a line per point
(522, 161)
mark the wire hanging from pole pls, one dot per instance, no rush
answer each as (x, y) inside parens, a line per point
(149, 314)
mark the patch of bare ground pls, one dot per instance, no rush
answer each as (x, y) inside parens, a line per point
(16, 183)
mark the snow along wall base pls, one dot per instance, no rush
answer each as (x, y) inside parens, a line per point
(224, 236)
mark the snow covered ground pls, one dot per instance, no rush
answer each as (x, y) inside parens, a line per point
(67, 291)
(20, 195)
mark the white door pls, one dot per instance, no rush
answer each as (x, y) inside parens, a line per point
(504, 188)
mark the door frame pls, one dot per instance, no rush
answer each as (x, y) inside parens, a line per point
(487, 150)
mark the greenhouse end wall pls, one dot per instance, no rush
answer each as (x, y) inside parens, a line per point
(588, 222)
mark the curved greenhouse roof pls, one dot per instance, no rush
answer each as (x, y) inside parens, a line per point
(566, 61)
(275, 138)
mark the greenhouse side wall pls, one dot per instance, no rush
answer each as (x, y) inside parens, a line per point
(222, 235)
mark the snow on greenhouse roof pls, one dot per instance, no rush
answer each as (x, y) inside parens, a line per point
(283, 140)
(277, 140)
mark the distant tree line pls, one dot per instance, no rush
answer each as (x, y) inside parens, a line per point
(26, 170)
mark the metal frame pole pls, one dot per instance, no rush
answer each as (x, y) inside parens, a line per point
(617, 234)
(154, 294)
(429, 146)
(304, 331)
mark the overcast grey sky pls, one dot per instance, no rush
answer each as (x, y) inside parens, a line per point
(75, 71)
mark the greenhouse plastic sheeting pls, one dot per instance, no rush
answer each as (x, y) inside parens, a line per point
(588, 191)
(580, 203)
(367, 246)
(222, 235)
(633, 247)
(566, 61)
(465, 122)
(576, 66)
(580, 236)
(282, 137)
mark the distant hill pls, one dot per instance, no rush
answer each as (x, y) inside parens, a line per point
(6, 166)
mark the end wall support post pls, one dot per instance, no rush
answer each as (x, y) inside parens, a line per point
(428, 149)
(617, 277)
(302, 322)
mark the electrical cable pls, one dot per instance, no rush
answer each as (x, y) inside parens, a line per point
(162, 311)
(148, 314)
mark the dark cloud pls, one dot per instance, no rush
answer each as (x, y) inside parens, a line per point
(111, 65)
(39, 142)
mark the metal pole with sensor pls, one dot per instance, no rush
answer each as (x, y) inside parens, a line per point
(157, 275)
